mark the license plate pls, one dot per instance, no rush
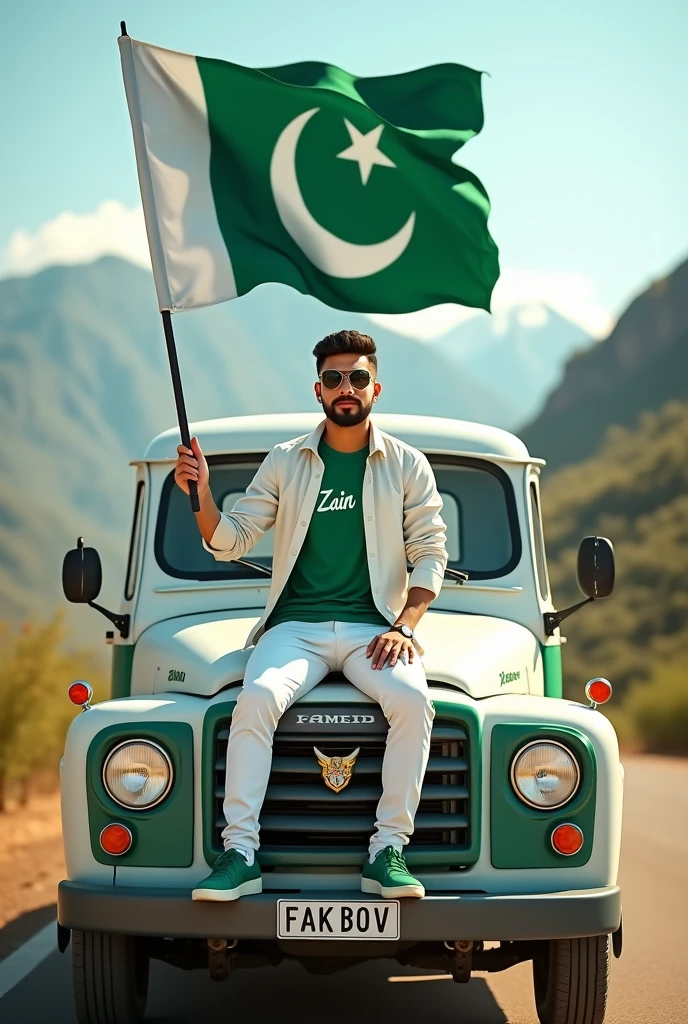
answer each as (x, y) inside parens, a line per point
(310, 919)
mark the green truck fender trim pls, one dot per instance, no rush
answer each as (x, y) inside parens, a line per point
(120, 677)
(163, 835)
(552, 670)
(520, 836)
(462, 714)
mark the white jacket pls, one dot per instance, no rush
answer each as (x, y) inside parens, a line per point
(401, 517)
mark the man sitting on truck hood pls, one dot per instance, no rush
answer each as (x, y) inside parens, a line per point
(351, 506)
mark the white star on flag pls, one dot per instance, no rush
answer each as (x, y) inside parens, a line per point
(364, 151)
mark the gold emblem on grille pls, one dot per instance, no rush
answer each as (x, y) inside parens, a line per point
(337, 771)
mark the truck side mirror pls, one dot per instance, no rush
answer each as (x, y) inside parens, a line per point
(82, 577)
(595, 569)
(82, 574)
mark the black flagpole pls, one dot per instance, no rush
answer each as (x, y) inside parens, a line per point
(176, 377)
(179, 399)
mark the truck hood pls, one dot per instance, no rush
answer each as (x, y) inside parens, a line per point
(203, 654)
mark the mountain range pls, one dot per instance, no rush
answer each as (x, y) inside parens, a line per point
(518, 355)
(615, 433)
(640, 366)
(84, 385)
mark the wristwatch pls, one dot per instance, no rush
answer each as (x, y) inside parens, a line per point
(405, 630)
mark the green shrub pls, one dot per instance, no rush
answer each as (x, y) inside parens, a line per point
(658, 710)
(35, 712)
(624, 726)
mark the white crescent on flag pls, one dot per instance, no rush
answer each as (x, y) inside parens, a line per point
(328, 252)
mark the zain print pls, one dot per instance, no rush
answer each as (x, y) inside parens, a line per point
(337, 504)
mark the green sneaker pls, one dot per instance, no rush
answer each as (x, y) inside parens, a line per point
(230, 878)
(388, 876)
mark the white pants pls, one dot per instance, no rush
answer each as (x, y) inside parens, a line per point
(288, 661)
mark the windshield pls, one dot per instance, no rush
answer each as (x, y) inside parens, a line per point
(479, 510)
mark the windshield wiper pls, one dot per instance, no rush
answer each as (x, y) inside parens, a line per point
(449, 574)
(266, 571)
(456, 574)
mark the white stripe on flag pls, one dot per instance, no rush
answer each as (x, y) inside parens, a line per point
(169, 120)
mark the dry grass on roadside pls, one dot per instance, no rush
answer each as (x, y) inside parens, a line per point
(22, 827)
(31, 856)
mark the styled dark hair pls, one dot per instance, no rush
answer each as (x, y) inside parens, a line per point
(345, 341)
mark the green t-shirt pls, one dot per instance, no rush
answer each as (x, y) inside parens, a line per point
(330, 579)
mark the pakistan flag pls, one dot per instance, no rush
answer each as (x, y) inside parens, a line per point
(342, 187)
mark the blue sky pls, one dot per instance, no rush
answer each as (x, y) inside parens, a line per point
(584, 151)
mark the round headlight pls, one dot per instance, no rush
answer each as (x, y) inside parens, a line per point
(545, 774)
(137, 774)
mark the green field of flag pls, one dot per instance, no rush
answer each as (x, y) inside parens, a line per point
(341, 187)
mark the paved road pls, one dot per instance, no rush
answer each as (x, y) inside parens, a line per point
(649, 983)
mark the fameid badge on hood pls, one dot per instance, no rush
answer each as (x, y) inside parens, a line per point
(337, 771)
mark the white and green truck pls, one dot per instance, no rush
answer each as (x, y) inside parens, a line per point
(518, 831)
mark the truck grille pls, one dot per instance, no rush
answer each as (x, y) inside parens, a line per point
(301, 815)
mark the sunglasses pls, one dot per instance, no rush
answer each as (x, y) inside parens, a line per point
(359, 379)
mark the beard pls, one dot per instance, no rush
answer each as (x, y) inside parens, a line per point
(348, 417)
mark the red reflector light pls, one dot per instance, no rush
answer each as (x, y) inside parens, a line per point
(116, 839)
(567, 839)
(598, 690)
(80, 694)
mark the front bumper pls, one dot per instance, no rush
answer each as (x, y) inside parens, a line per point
(172, 913)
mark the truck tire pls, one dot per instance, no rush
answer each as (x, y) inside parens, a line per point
(110, 976)
(571, 981)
